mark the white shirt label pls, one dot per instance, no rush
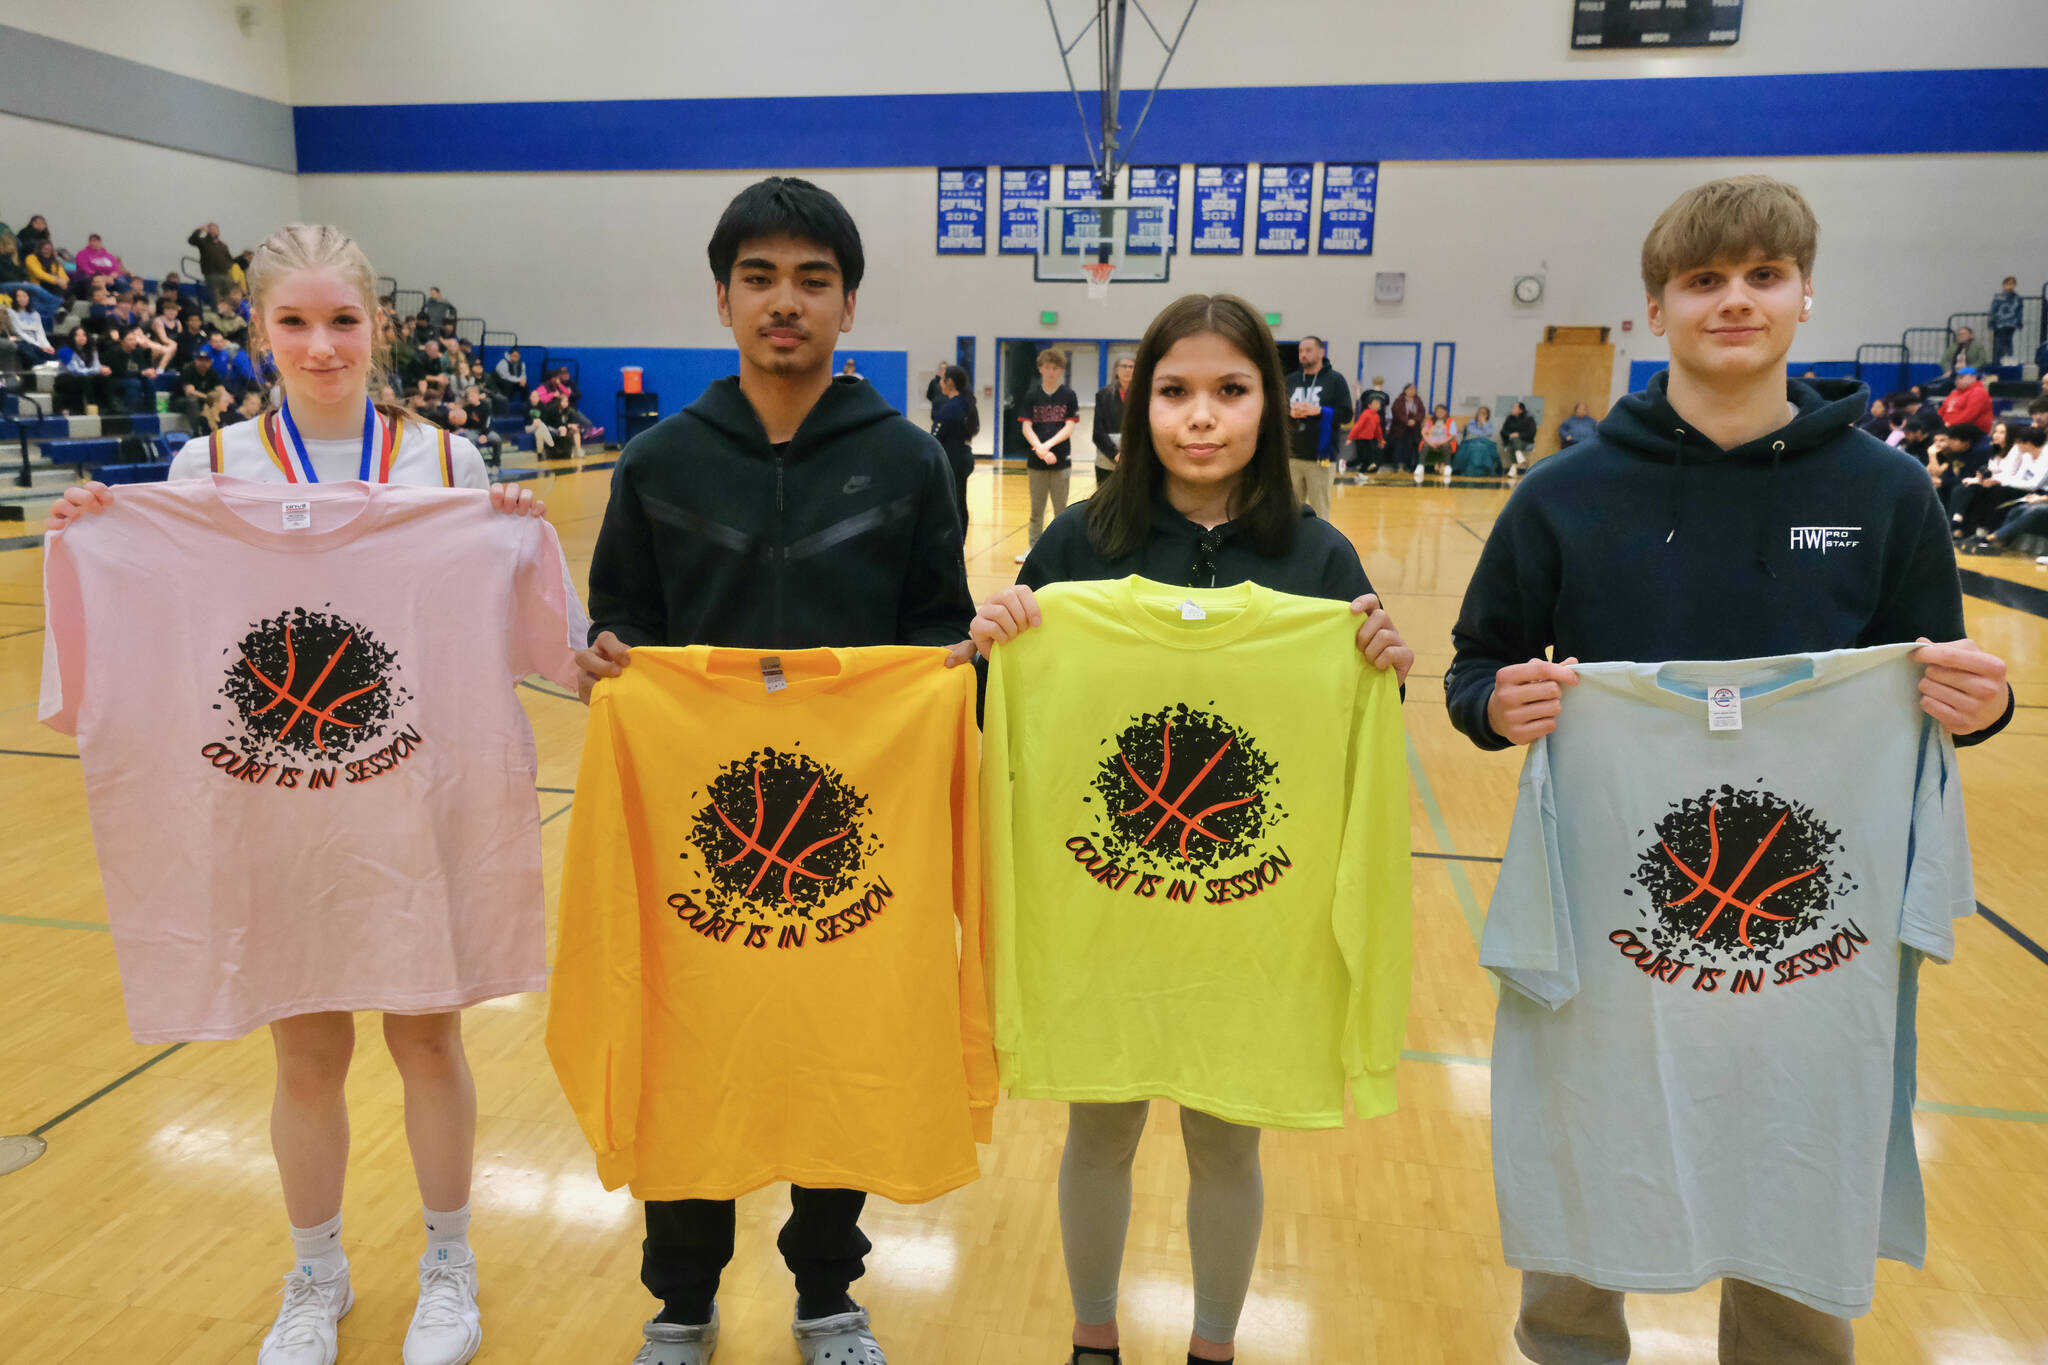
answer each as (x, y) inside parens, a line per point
(1190, 612)
(1724, 708)
(298, 516)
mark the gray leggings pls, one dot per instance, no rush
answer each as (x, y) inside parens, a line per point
(1226, 1200)
(1566, 1321)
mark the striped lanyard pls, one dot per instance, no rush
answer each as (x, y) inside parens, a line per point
(291, 429)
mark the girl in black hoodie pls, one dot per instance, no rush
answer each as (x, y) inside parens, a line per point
(1202, 497)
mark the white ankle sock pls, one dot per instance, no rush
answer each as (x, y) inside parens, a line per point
(318, 1249)
(447, 1235)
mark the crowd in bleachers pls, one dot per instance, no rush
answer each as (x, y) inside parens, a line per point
(120, 344)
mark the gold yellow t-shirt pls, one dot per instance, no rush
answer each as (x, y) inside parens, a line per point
(1197, 814)
(770, 964)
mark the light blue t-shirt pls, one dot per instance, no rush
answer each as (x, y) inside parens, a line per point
(1704, 1065)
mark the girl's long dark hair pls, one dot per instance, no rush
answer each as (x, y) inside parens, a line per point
(963, 388)
(1120, 512)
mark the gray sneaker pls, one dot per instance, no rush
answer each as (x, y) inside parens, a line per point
(670, 1343)
(841, 1339)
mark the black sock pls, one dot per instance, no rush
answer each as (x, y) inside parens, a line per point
(1197, 1360)
(808, 1307)
(1084, 1354)
(682, 1313)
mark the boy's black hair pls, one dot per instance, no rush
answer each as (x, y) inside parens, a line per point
(1968, 435)
(2032, 436)
(784, 206)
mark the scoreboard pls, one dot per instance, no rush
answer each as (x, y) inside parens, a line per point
(1605, 25)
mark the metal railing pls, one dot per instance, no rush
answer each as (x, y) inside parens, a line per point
(408, 302)
(1882, 365)
(470, 330)
(386, 286)
(1926, 345)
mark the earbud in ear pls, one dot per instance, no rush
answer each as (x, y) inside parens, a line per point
(1809, 303)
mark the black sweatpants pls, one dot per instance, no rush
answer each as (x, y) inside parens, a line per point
(689, 1242)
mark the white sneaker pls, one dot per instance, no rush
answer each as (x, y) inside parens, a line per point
(304, 1333)
(2041, 560)
(446, 1326)
(1419, 474)
(1021, 558)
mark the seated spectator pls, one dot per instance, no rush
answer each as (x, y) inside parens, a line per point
(423, 330)
(1439, 440)
(133, 371)
(1897, 420)
(232, 363)
(33, 235)
(226, 317)
(848, 371)
(557, 416)
(1518, 435)
(1481, 424)
(1974, 499)
(216, 262)
(510, 376)
(470, 415)
(14, 276)
(1964, 350)
(1879, 423)
(250, 407)
(445, 334)
(1368, 434)
(1969, 403)
(87, 313)
(211, 413)
(190, 338)
(1578, 427)
(97, 260)
(2007, 311)
(438, 312)
(198, 381)
(31, 342)
(2027, 514)
(238, 273)
(81, 380)
(46, 270)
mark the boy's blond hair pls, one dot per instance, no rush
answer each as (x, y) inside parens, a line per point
(1730, 220)
(1054, 357)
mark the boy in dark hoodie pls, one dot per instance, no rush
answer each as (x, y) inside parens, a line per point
(1691, 527)
(784, 509)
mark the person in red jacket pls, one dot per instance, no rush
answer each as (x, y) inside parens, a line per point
(1369, 437)
(1970, 403)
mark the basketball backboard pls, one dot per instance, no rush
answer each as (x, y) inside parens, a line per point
(1128, 235)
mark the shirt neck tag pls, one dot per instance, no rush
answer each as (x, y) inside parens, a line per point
(298, 516)
(771, 674)
(1190, 612)
(1724, 708)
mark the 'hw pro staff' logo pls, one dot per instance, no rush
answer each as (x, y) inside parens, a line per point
(1825, 538)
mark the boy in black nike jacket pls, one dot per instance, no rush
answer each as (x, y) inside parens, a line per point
(1725, 513)
(784, 509)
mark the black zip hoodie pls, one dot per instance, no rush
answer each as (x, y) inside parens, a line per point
(848, 537)
(1649, 543)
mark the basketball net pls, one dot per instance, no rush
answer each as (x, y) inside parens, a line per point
(1100, 273)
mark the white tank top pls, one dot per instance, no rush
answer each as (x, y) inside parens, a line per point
(407, 452)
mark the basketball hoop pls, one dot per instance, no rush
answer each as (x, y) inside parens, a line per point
(1099, 273)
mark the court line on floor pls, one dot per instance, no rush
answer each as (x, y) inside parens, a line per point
(2004, 592)
(2012, 931)
(546, 819)
(32, 630)
(549, 691)
(1461, 885)
(36, 753)
(105, 1090)
(38, 922)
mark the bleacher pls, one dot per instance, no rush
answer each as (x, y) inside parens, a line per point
(1915, 358)
(46, 450)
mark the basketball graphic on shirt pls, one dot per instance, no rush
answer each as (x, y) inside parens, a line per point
(781, 833)
(1740, 872)
(311, 684)
(1185, 791)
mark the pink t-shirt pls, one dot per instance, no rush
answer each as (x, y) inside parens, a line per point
(310, 781)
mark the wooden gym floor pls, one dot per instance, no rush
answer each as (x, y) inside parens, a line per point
(152, 1230)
